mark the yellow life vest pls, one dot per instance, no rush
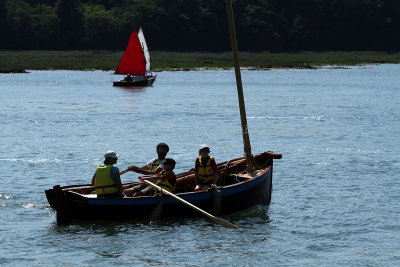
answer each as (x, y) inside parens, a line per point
(166, 184)
(206, 173)
(154, 165)
(103, 178)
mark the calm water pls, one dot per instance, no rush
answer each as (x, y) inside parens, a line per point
(336, 198)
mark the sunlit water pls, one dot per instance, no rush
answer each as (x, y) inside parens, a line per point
(336, 198)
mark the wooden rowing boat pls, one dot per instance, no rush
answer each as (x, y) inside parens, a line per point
(238, 190)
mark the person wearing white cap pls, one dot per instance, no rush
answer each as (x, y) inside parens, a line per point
(205, 170)
(106, 179)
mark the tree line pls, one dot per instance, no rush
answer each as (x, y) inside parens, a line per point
(201, 25)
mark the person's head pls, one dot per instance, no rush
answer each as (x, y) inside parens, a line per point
(162, 150)
(169, 164)
(110, 157)
(204, 150)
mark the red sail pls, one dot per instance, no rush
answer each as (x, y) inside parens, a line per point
(133, 61)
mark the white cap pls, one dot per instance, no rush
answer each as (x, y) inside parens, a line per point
(204, 146)
(111, 154)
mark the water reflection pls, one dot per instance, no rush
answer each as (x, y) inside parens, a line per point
(114, 229)
(132, 89)
(108, 254)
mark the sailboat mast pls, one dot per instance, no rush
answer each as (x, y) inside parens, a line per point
(245, 133)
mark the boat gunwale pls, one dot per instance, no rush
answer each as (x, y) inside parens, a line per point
(226, 191)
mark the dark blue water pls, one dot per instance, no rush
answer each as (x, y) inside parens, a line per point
(336, 197)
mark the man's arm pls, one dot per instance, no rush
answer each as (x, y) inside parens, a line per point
(93, 178)
(215, 170)
(143, 170)
(215, 179)
(196, 171)
(150, 178)
(118, 181)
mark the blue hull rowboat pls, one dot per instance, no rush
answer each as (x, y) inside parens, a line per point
(238, 191)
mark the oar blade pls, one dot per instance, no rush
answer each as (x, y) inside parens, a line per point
(155, 215)
(224, 223)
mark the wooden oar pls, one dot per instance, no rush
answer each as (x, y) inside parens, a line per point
(212, 217)
(124, 172)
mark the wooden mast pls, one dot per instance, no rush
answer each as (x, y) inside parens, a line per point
(245, 133)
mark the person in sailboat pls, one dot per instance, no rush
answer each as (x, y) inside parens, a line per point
(166, 179)
(205, 170)
(152, 167)
(155, 165)
(106, 179)
(128, 78)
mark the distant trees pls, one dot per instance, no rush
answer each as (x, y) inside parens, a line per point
(273, 25)
(71, 30)
(26, 26)
(344, 24)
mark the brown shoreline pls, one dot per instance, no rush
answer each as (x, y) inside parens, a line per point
(21, 61)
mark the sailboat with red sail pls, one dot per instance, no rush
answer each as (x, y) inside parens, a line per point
(135, 62)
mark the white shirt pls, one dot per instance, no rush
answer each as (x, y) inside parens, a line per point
(151, 163)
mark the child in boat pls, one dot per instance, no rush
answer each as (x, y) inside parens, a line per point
(106, 179)
(205, 170)
(166, 179)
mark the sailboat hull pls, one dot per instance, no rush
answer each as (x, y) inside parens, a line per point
(234, 198)
(137, 81)
(237, 192)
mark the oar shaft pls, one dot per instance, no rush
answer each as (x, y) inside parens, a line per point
(125, 171)
(212, 217)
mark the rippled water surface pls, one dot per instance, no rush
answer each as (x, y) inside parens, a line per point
(336, 198)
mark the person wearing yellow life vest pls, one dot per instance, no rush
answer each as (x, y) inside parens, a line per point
(155, 165)
(205, 170)
(166, 179)
(106, 179)
(152, 167)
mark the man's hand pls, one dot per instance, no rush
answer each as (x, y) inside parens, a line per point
(133, 168)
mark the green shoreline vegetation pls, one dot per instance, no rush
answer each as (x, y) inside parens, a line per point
(21, 61)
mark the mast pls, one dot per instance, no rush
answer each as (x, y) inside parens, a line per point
(245, 133)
